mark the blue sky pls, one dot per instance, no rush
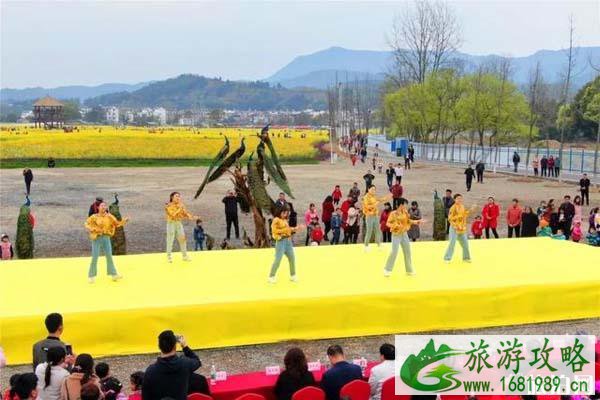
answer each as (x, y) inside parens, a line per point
(54, 43)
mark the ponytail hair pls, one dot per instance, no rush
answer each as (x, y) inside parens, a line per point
(55, 356)
(84, 363)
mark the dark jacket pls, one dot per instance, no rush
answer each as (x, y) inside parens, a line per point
(480, 167)
(287, 384)
(584, 185)
(40, 349)
(199, 235)
(170, 376)
(568, 210)
(230, 205)
(529, 224)
(470, 173)
(516, 158)
(448, 202)
(337, 376)
(28, 175)
(369, 179)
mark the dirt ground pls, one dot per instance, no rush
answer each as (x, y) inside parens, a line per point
(61, 198)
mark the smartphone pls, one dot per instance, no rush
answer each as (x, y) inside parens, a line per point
(69, 349)
(179, 338)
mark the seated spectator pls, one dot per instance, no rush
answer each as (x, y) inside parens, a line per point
(341, 373)
(381, 372)
(82, 373)
(51, 374)
(135, 385)
(2, 358)
(90, 391)
(102, 371)
(8, 394)
(54, 325)
(170, 375)
(593, 237)
(111, 389)
(198, 384)
(24, 387)
(295, 376)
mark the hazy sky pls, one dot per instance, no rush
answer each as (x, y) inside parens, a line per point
(54, 43)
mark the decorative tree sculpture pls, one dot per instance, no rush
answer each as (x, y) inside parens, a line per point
(118, 240)
(251, 187)
(25, 224)
(439, 218)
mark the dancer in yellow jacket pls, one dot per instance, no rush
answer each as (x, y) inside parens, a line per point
(457, 218)
(175, 212)
(101, 227)
(371, 211)
(399, 223)
(282, 234)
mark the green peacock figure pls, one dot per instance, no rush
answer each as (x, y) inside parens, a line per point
(118, 241)
(251, 187)
(25, 223)
(439, 218)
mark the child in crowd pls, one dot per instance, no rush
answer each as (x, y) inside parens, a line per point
(135, 385)
(559, 235)
(477, 228)
(111, 389)
(545, 230)
(102, 371)
(541, 209)
(380, 166)
(6, 249)
(385, 230)
(336, 225)
(576, 233)
(337, 195)
(199, 236)
(593, 237)
(316, 232)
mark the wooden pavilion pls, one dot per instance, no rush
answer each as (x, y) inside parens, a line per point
(48, 112)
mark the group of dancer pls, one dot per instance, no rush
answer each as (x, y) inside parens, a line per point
(102, 226)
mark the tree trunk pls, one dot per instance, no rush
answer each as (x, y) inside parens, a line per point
(596, 150)
(261, 233)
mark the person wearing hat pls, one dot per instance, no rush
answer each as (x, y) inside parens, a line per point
(94, 207)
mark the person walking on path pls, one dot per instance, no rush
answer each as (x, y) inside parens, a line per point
(28, 177)
(557, 165)
(397, 192)
(544, 165)
(353, 158)
(415, 214)
(368, 178)
(326, 214)
(389, 174)
(175, 213)
(399, 223)
(584, 189)
(101, 227)
(354, 191)
(399, 172)
(458, 218)
(448, 201)
(535, 164)
(479, 168)
(336, 195)
(490, 214)
(516, 160)
(530, 222)
(411, 153)
(551, 166)
(371, 213)
(385, 230)
(282, 234)
(469, 173)
(231, 213)
(513, 219)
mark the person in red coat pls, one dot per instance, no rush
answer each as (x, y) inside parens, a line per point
(385, 230)
(328, 209)
(490, 213)
(337, 195)
(477, 227)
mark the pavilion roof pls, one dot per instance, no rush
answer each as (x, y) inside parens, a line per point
(48, 102)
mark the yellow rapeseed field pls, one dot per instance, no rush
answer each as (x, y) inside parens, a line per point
(107, 142)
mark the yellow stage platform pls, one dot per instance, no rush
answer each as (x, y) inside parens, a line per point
(222, 298)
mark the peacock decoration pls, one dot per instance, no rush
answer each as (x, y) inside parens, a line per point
(439, 218)
(251, 187)
(25, 223)
(118, 241)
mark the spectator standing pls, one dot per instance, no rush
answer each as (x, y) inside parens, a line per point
(490, 214)
(551, 166)
(352, 227)
(541, 209)
(389, 175)
(382, 371)
(544, 165)
(354, 191)
(535, 164)
(295, 376)
(341, 373)
(567, 210)
(414, 232)
(353, 159)
(469, 174)
(136, 381)
(374, 163)
(82, 373)
(54, 326)
(398, 172)
(368, 178)
(309, 215)
(557, 165)
(576, 232)
(411, 153)
(316, 232)
(363, 155)
(516, 160)
(51, 374)
(577, 203)
(328, 209)
(529, 224)
(231, 213)
(479, 168)
(199, 236)
(513, 219)
(584, 189)
(406, 162)
(336, 226)
(448, 203)
(6, 248)
(281, 201)
(385, 230)
(169, 376)
(397, 192)
(477, 227)
(95, 206)
(336, 195)
(28, 177)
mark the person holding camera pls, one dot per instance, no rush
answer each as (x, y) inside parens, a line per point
(169, 376)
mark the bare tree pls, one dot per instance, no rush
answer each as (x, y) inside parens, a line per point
(567, 76)
(423, 39)
(535, 97)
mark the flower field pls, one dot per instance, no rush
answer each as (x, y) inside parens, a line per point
(134, 143)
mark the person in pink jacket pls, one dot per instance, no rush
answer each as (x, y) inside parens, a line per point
(513, 218)
(311, 213)
(490, 214)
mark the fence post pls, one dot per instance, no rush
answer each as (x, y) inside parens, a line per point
(582, 159)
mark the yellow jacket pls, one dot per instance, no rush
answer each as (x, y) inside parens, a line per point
(177, 212)
(102, 224)
(457, 216)
(399, 222)
(369, 205)
(281, 229)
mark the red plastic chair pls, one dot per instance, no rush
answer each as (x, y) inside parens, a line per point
(454, 397)
(199, 396)
(251, 396)
(499, 397)
(597, 370)
(356, 390)
(549, 397)
(309, 393)
(388, 391)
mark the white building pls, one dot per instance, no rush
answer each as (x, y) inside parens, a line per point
(112, 115)
(161, 114)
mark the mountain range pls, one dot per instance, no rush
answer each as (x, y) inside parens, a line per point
(68, 92)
